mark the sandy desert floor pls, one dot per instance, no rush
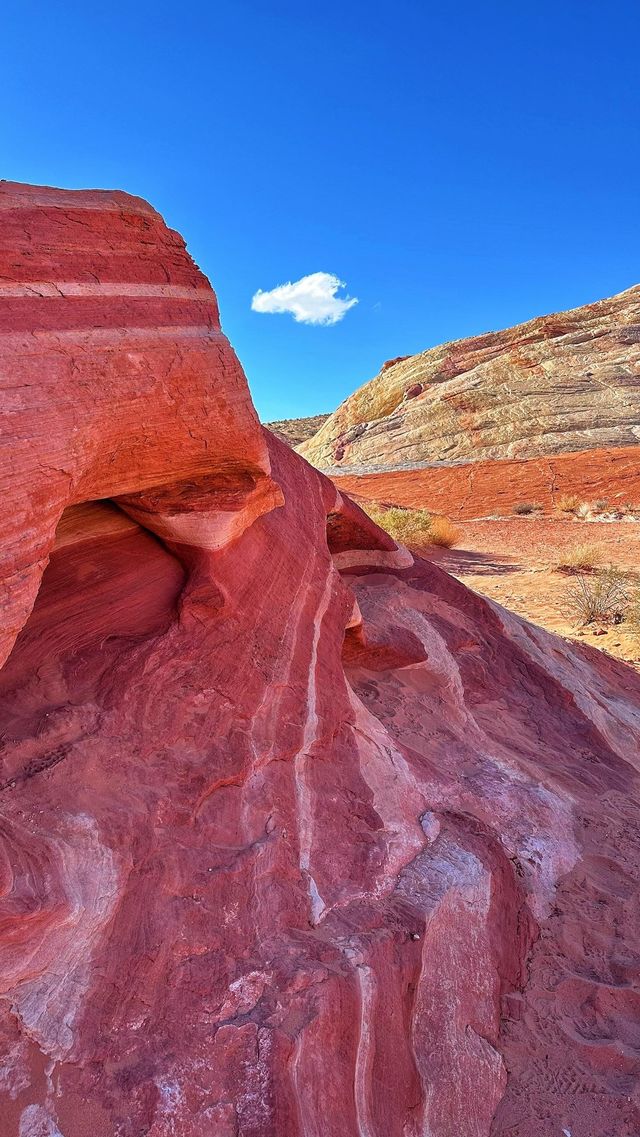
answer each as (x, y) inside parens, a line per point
(511, 560)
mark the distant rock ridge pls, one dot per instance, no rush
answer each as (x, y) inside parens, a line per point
(293, 431)
(298, 836)
(559, 383)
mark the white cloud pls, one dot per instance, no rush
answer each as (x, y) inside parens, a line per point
(310, 300)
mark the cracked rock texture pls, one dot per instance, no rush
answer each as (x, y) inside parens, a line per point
(473, 489)
(299, 837)
(560, 383)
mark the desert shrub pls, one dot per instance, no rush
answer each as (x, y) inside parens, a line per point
(373, 510)
(603, 598)
(583, 510)
(524, 507)
(580, 558)
(568, 503)
(601, 504)
(402, 524)
(633, 615)
(443, 533)
(412, 526)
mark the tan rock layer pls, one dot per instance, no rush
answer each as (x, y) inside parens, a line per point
(559, 383)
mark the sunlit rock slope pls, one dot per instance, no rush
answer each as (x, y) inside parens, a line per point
(560, 383)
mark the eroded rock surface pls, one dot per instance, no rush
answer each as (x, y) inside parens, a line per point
(115, 377)
(566, 382)
(477, 489)
(299, 836)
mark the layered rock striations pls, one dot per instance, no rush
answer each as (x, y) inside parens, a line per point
(116, 378)
(299, 836)
(560, 383)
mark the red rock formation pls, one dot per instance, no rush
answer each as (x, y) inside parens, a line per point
(479, 489)
(298, 837)
(108, 335)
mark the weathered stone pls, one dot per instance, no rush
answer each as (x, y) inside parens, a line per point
(480, 489)
(560, 383)
(114, 373)
(298, 836)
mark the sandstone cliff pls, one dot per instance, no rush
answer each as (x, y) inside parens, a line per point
(560, 383)
(299, 836)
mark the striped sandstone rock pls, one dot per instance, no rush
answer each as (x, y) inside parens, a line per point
(297, 836)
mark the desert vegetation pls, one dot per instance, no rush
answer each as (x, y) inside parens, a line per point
(443, 532)
(580, 558)
(602, 509)
(602, 598)
(415, 527)
(633, 616)
(522, 508)
(568, 503)
(573, 507)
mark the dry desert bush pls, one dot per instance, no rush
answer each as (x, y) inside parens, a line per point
(603, 598)
(413, 526)
(633, 616)
(568, 503)
(580, 558)
(522, 508)
(443, 533)
(571, 503)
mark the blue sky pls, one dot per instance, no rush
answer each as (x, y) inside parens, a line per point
(461, 167)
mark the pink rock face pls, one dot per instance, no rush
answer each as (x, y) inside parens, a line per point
(115, 379)
(299, 837)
